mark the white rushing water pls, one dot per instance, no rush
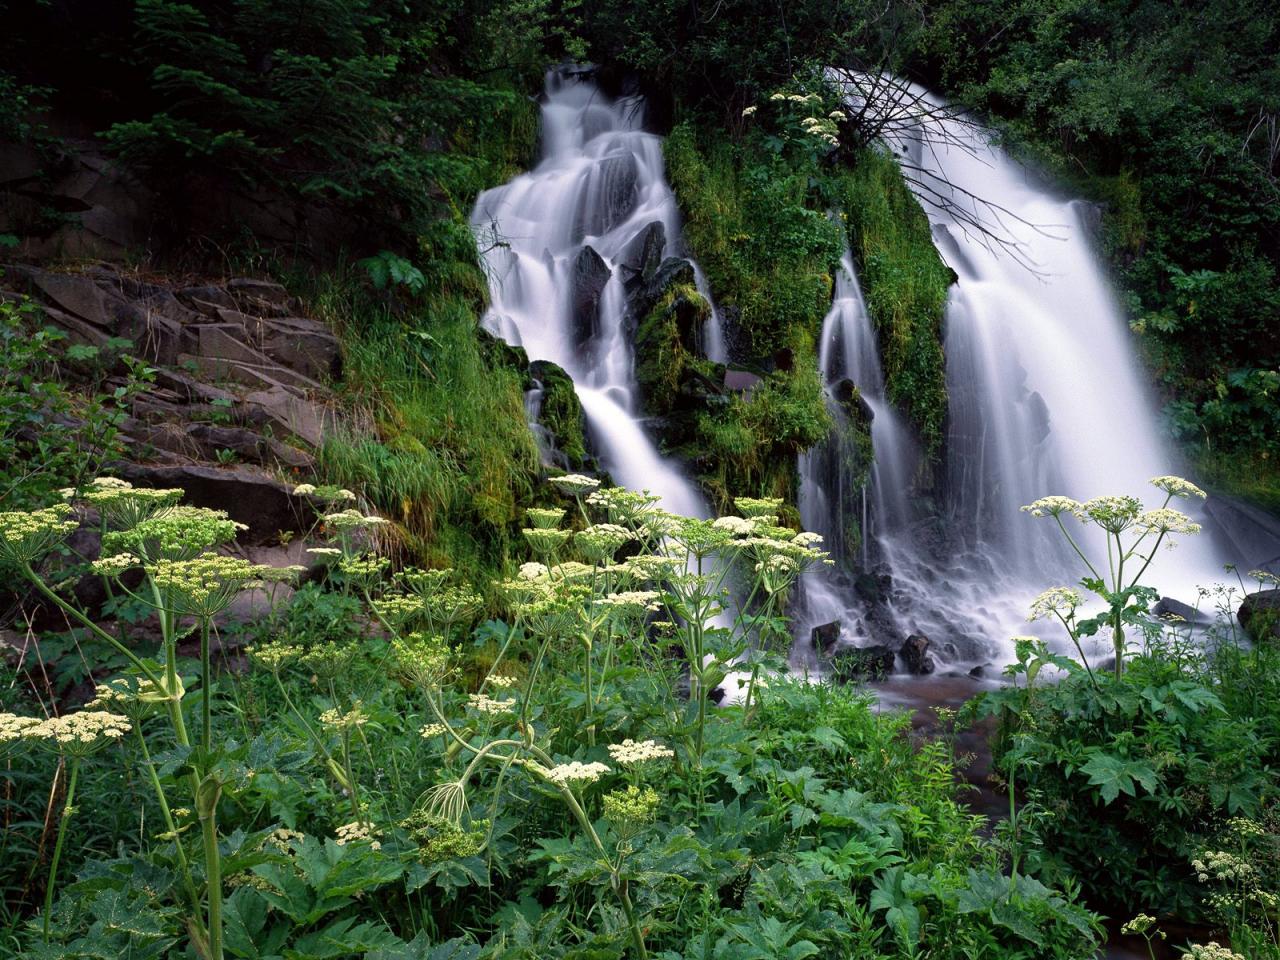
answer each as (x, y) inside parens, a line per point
(1045, 395)
(557, 242)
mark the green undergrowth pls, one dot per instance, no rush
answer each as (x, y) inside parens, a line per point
(452, 460)
(905, 284)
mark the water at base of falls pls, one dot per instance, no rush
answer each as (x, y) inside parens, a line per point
(1045, 398)
(559, 244)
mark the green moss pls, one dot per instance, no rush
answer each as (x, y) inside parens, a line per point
(905, 284)
(759, 231)
(446, 452)
(1252, 478)
(664, 346)
(562, 415)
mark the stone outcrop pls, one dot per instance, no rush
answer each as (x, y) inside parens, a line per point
(239, 374)
(1259, 614)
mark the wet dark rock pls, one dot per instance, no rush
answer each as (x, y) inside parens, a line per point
(1259, 614)
(862, 663)
(915, 655)
(874, 588)
(850, 398)
(1039, 411)
(613, 197)
(741, 381)
(643, 255)
(784, 359)
(206, 299)
(643, 297)
(590, 274)
(979, 671)
(1167, 608)
(825, 636)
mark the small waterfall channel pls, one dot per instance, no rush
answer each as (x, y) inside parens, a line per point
(1045, 395)
(563, 244)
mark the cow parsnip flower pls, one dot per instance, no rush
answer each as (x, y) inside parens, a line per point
(1061, 601)
(205, 585)
(440, 838)
(599, 542)
(1178, 487)
(545, 517)
(756, 507)
(1166, 520)
(623, 506)
(175, 533)
(424, 583)
(421, 658)
(13, 730)
(545, 542)
(122, 505)
(737, 526)
(133, 697)
(274, 655)
(631, 603)
(349, 720)
(364, 571)
(503, 681)
(631, 808)
(1054, 507)
(80, 734)
(577, 773)
(1211, 951)
(483, 703)
(116, 565)
(329, 661)
(350, 520)
(357, 832)
(1111, 513)
(632, 753)
(533, 571)
(1139, 925)
(27, 535)
(429, 730)
(400, 610)
(575, 483)
(452, 605)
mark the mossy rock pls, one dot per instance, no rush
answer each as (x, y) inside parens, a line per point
(561, 413)
(1259, 614)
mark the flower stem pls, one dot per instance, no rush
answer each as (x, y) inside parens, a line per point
(67, 809)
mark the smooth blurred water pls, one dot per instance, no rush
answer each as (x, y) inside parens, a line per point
(599, 184)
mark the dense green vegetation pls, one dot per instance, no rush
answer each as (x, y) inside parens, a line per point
(391, 780)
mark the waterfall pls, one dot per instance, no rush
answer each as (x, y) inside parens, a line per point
(559, 244)
(1046, 397)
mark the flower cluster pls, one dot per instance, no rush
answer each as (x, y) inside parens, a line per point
(1221, 865)
(1211, 951)
(622, 506)
(1178, 487)
(1060, 601)
(364, 570)
(631, 753)
(357, 832)
(544, 541)
(421, 658)
(79, 734)
(114, 566)
(632, 807)
(439, 838)
(575, 772)
(13, 729)
(1139, 926)
(1164, 521)
(399, 610)
(1053, 507)
(204, 585)
(598, 543)
(759, 508)
(424, 583)
(545, 517)
(483, 703)
(122, 505)
(1112, 514)
(274, 655)
(27, 535)
(355, 717)
(737, 526)
(575, 483)
(175, 533)
(631, 603)
(429, 730)
(348, 521)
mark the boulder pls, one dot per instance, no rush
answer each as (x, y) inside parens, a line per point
(590, 274)
(824, 637)
(1167, 608)
(248, 445)
(741, 381)
(1259, 614)
(207, 299)
(249, 289)
(873, 587)
(613, 197)
(915, 655)
(301, 344)
(643, 255)
(862, 663)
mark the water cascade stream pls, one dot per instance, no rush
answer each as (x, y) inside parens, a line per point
(1045, 398)
(559, 244)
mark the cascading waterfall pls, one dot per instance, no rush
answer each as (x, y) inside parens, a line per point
(559, 244)
(1045, 398)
